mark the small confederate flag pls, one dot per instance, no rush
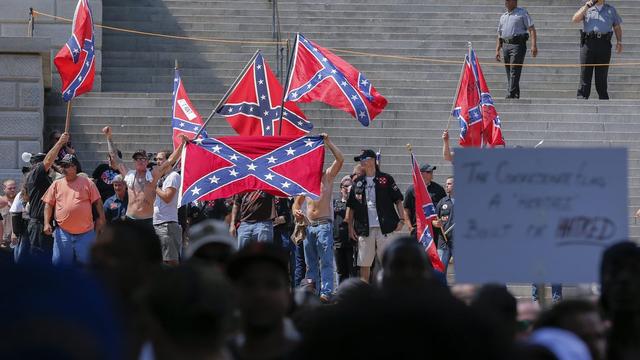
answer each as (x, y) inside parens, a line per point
(253, 105)
(492, 130)
(215, 168)
(76, 59)
(186, 119)
(425, 214)
(319, 75)
(467, 109)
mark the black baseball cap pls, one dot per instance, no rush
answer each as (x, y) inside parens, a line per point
(427, 168)
(257, 252)
(36, 158)
(366, 154)
(70, 159)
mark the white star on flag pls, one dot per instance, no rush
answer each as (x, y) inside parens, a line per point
(324, 59)
(285, 184)
(271, 159)
(294, 94)
(233, 157)
(333, 71)
(300, 123)
(344, 83)
(198, 141)
(251, 167)
(260, 82)
(354, 97)
(233, 172)
(285, 113)
(266, 113)
(251, 109)
(308, 86)
(80, 77)
(268, 127)
(216, 149)
(259, 67)
(290, 151)
(308, 143)
(230, 110)
(214, 179)
(263, 97)
(362, 114)
(181, 124)
(269, 176)
(195, 128)
(195, 191)
(364, 82)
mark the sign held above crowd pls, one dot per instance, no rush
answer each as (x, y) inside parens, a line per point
(538, 215)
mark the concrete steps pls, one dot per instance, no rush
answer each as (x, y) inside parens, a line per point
(138, 73)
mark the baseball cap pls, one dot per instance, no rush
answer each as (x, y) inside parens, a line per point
(366, 154)
(427, 168)
(208, 232)
(139, 152)
(69, 159)
(258, 252)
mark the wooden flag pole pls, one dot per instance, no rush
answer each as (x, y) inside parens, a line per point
(67, 123)
(226, 95)
(286, 86)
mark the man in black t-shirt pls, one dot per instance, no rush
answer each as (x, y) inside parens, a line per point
(36, 184)
(103, 176)
(436, 192)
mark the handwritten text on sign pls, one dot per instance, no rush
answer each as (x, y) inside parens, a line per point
(533, 215)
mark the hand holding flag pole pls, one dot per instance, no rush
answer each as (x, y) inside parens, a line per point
(226, 95)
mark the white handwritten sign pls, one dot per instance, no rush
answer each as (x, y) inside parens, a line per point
(537, 215)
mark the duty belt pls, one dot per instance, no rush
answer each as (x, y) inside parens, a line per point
(597, 35)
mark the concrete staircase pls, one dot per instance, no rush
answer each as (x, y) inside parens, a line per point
(137, 72)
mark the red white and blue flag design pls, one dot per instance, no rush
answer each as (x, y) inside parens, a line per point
(76, 59)
(467, 109)
(185, 119)
(492, 129)
(425, 214)
(253, 105)
(215, 168)
(319, 75)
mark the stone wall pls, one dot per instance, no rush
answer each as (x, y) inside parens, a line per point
(14, 15)
(24, 66)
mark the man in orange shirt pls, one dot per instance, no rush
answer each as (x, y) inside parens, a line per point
(73, 198)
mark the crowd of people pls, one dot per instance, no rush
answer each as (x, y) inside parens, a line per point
(109, 266)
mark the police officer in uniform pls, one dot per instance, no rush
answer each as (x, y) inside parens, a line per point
(599, 21)
(512, 40)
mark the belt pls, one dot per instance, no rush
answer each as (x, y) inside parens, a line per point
(319, 222)
(514, 41)
(598, 35)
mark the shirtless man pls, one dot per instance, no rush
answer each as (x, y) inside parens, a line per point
(318, 246)
(141, 182)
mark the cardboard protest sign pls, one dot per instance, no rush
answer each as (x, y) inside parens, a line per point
(537, 215)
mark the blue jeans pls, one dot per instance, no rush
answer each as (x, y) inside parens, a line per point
(445, 252)
(70, 249)
(556, 292)
(21, 252)
(318, 254)
(290, 248)
(261, 231)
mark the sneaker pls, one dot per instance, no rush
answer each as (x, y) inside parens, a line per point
(325, 299)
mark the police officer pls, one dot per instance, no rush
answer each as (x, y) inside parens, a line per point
(512, 40)
(599, 21)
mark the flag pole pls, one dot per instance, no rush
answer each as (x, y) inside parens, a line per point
(226, 95)
(457, 89)
(67, 122)
(286, 85)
